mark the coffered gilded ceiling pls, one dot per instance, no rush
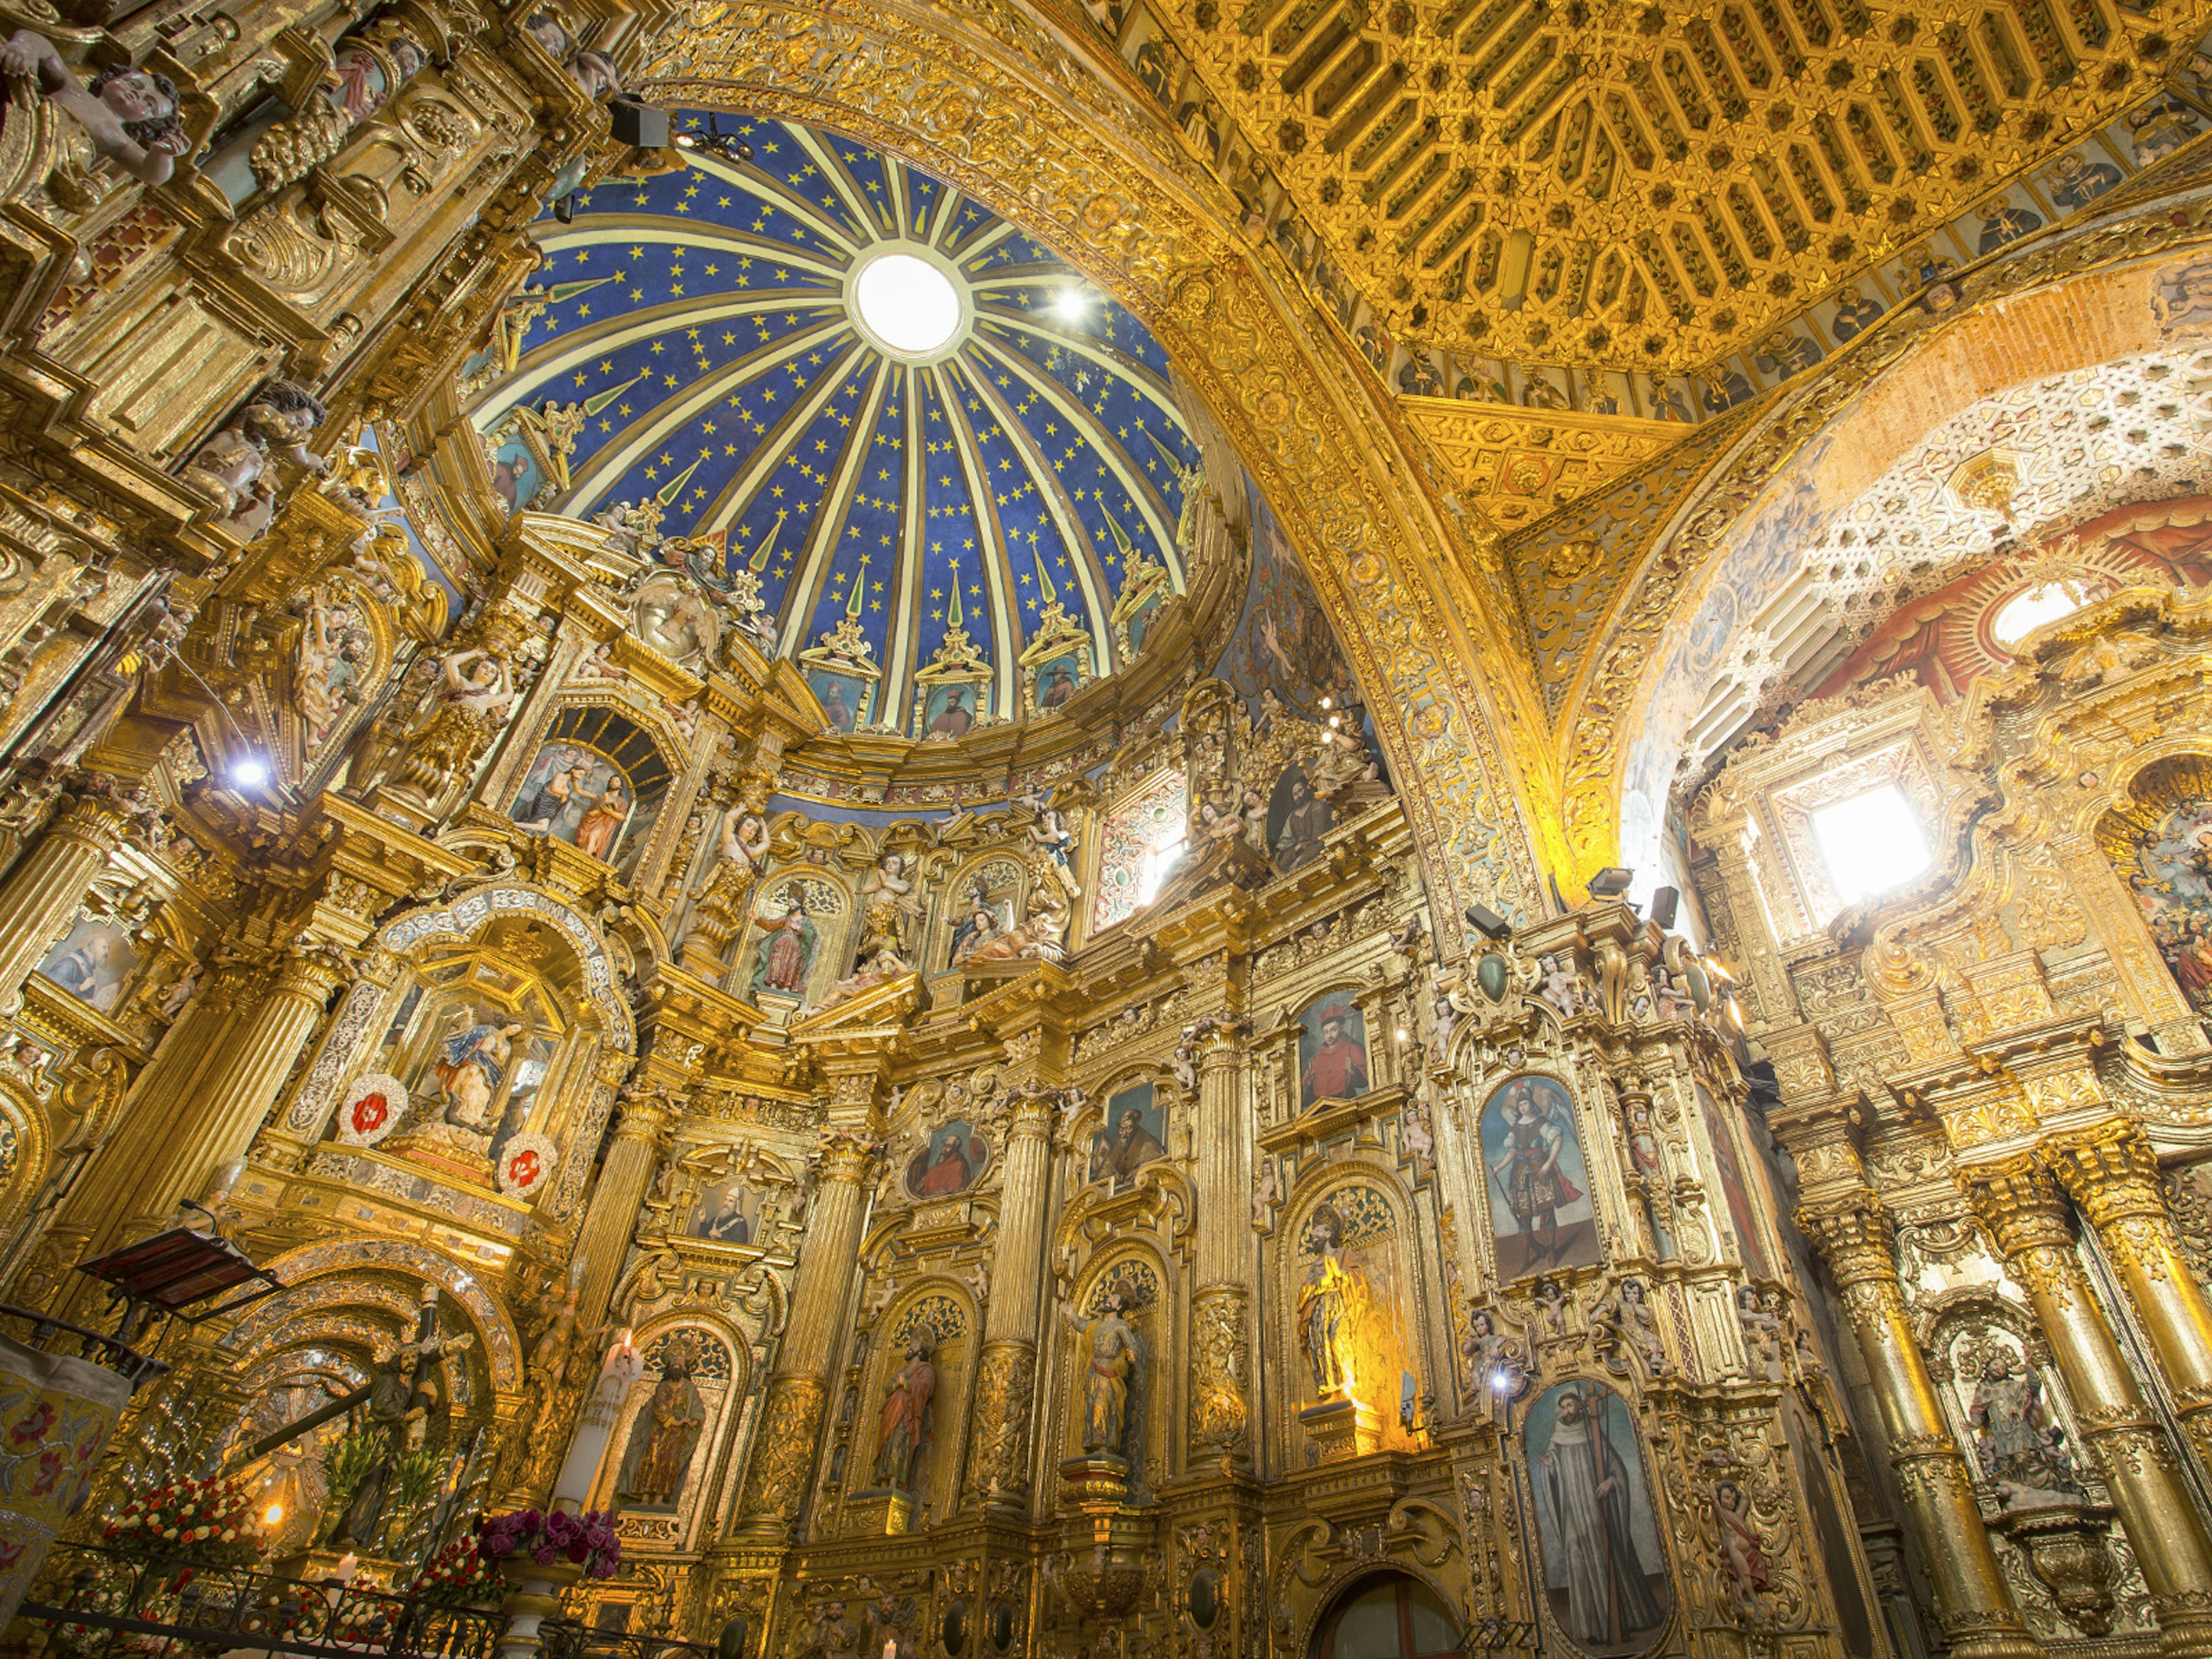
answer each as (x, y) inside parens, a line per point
(1606, 185)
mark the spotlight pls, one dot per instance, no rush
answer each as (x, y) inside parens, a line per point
(565, 211)
(1071, 305)
(1501, 1380)
(1664, 903)
(1404, 1035)
(1611, 882)
(634, 121)
(249, 772)
(273, 1516)
(1487, 922)
(715, 142)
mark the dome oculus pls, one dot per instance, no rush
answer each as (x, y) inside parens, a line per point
(908, 304)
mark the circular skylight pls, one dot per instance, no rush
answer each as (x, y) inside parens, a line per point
(908, 304)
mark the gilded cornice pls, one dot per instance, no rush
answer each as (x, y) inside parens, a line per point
(1042, 139)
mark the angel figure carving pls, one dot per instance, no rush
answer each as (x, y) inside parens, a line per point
(125, 116)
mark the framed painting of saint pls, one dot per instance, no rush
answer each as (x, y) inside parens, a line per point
(951, 1163)
(728, 1211)
(1541, 1211)
(1298, 820)
(1332, 1051)
(1606, 1582)
(1134, 1134)
(92, 962)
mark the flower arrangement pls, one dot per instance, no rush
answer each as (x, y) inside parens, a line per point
(459, 1576)
(209, 1521)
(587, 1541)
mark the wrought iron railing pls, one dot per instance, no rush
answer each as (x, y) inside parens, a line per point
(97, 1604)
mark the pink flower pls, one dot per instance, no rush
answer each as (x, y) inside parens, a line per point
(53, 1463)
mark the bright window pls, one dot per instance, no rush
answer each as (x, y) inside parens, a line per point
(1872, 842)
(2024, 612)
(1142, 843)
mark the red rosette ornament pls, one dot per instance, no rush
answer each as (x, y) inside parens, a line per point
(371, 1109)
(523, 1164)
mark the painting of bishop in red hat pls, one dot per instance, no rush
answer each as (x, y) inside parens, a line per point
(1332, 1052)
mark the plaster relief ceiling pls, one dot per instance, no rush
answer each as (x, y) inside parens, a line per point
(1605, 184)
(2019, 468)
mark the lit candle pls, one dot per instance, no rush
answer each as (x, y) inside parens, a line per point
(349, 1564)
(891, 1648)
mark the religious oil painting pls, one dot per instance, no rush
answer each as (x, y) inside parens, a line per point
(516, 477)
(951, 711)
(1332, 1051)
(92, 962)
(1298, 820)
(2164, 851)
(843, 697)
(1736, 1187)
(1134, 1134)
(687, 1375)
(728, 1211)
(1058, 680)
(1541, 1213)
(1606, 1584)
(952, 1162)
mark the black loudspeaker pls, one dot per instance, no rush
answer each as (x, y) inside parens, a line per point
(565, 208)
(1487, 922)
(1664, 903)
(642, 124)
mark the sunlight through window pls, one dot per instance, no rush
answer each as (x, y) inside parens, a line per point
(2024, 612)
(907, 303)
(1872, 842)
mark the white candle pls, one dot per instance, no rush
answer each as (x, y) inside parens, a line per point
(349, 1564)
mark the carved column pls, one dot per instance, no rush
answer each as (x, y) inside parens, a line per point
(217, 1121)
(1220, 1309)
(1005, 1378)
(2024, 1211)
(640, 1139)
(791, 1418)
(1974, 1603)
(2113, 1175)
(52, 880)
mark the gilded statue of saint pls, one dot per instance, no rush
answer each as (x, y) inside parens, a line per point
(1114, 1377)
(1329, 1304)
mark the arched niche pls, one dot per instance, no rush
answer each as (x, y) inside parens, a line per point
(2158, 837)
(1349, 1288)
(507, 954)
(1153, 1302)
(666, 1459)
(800, 933)
(598, 777)
(1392, 1613)
(909, 1442)
(983, 898)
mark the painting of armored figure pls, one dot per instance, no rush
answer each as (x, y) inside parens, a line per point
(2171, 872)
(1541, 1211)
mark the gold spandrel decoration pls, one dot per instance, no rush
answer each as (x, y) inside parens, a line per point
(1518, 465)
(1640, 187)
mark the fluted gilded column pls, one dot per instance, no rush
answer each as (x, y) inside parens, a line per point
(1973, 1601)
(633, 1158)
(2113, 1175)
(1006, 1377)
(1220, 1308)
(217, 1121)
(2020, 1203)
(791, 1418)
(53, 879)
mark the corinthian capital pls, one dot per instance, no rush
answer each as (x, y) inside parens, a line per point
(2111, 1171)
(845, 1157)
(2019, 1201)
(1853, 1230)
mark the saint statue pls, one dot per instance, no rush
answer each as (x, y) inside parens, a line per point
(1113, 1377)
(902, 1435)
(2022, 1451)
(667, 1430)
(469, 1071)
(1584, 1484)
(786, 950)
(1329, 1303)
